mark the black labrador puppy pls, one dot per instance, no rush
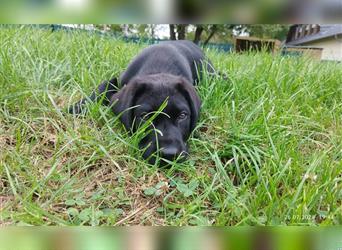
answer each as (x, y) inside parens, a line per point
(165, 72)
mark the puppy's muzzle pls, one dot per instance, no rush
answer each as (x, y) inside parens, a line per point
(170, 153)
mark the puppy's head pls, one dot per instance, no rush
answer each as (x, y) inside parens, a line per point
(169, 129)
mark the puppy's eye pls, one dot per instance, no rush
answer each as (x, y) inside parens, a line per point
(183, 115)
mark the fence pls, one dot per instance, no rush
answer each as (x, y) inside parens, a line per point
(225, 47)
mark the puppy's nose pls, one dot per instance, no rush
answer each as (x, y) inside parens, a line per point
(170, 153)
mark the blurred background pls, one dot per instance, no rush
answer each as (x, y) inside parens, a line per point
(170, 11)
(149, 238)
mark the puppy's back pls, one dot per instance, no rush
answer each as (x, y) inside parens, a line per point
(172, 57)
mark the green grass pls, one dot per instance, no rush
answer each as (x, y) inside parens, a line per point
(267, 149)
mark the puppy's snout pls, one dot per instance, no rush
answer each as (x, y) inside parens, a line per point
(170, 153)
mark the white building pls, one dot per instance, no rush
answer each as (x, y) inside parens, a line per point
(327, 37)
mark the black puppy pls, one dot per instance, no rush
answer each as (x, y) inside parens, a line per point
(164, 72)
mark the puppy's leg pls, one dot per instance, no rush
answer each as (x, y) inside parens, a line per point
(103, 93)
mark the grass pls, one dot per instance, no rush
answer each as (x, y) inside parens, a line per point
(267, 149)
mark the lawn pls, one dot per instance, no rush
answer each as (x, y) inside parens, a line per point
(267, 149)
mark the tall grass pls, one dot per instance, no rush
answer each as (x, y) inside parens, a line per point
(267, 149)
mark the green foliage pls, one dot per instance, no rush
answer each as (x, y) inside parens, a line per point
(274, 31)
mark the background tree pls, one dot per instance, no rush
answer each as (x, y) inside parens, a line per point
(181, 30)
(178, 31)
(199, 33)
(172, 32)
(212, 32)
(146, 30)
(213, 29)
(275, 31)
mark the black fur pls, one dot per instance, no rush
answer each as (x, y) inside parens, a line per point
(166, 71)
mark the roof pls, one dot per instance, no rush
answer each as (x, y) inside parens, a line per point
(302, 47)
(325, 32)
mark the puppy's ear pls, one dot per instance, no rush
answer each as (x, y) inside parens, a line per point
(123, 102)
(189, 92)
